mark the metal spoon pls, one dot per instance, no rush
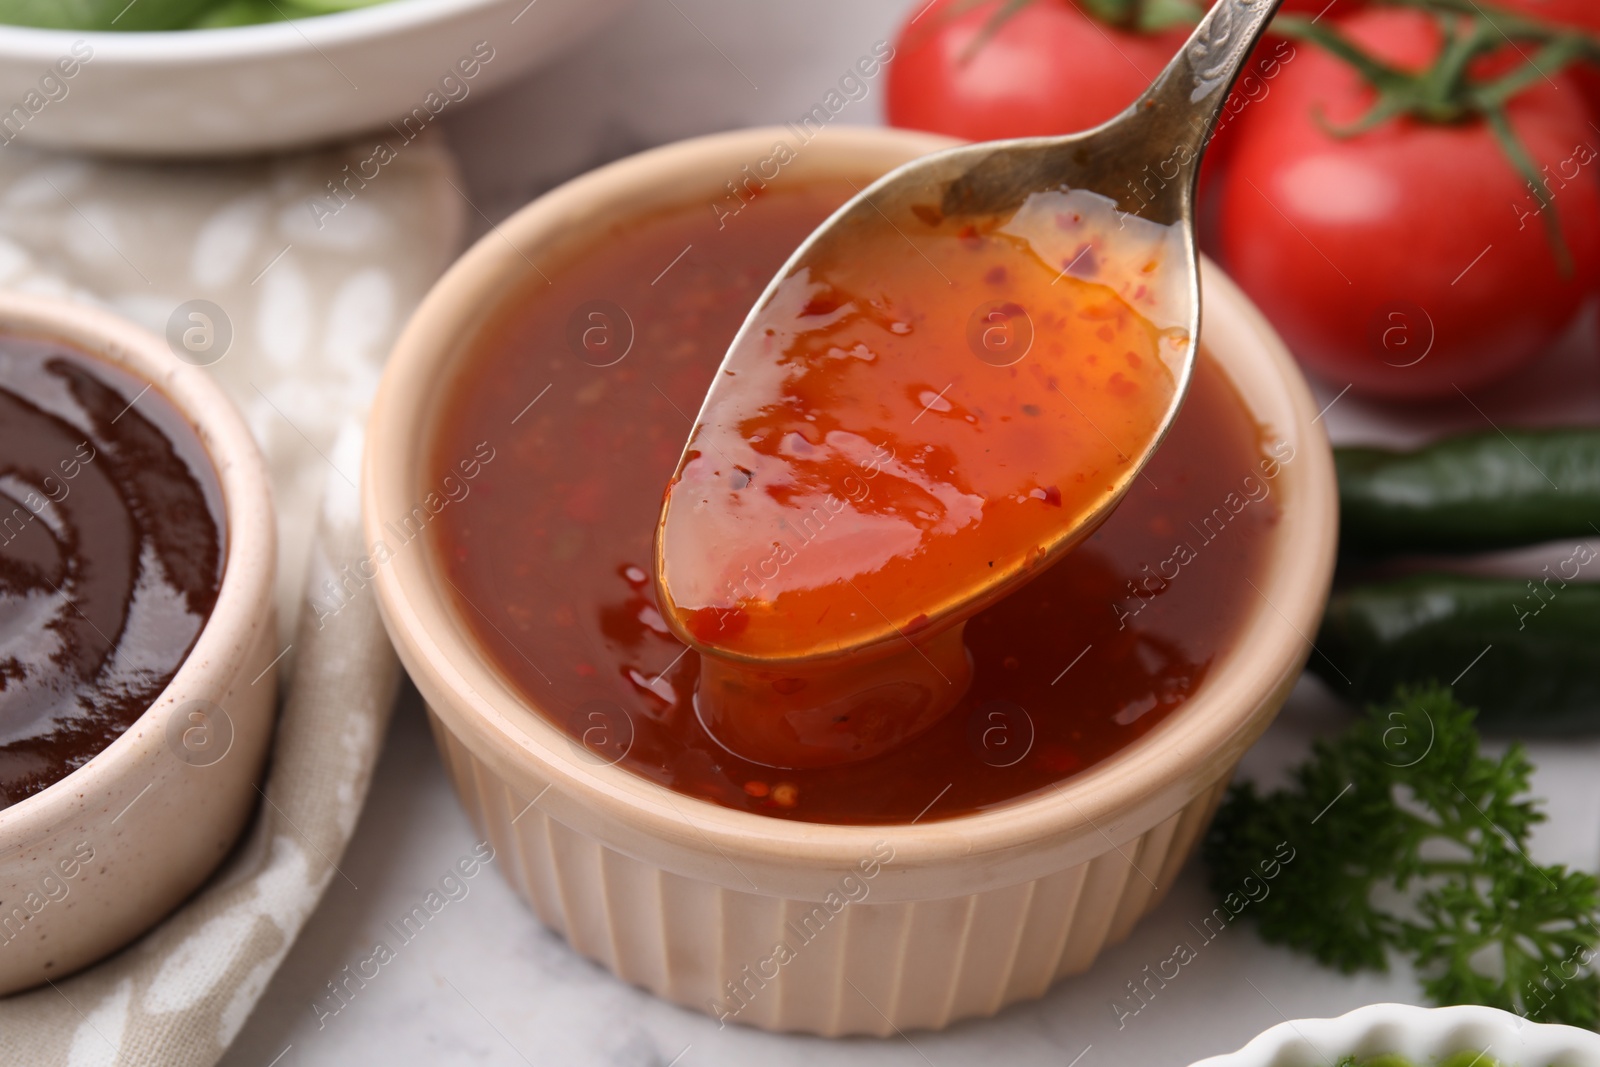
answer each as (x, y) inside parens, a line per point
(1141, 169)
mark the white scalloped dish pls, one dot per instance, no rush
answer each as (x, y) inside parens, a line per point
(1423, 1035)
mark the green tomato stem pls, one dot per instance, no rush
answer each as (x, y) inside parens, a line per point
(1447, 93)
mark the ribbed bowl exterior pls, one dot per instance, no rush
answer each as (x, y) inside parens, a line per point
(812, 927)
(870, 968)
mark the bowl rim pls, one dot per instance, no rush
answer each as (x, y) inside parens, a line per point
(249, 530)
(423, 624)
(1430, 1028)
(227, 43)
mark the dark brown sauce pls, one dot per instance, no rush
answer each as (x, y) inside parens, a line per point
(548, 546)
(110, 556)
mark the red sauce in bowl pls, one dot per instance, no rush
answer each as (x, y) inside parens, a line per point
(563, 424)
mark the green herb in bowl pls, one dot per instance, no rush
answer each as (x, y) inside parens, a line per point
(163, 14)
(1465, 1058)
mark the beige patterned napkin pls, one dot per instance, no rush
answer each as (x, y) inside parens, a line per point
(302, 280)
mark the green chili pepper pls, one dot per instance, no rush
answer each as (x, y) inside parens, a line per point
(1526, 652)
(1471, 493)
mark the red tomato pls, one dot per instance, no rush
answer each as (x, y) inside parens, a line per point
(1256, 82)
(1325, 8)
(1049, 69)
(1411, 259)
(1582, 14)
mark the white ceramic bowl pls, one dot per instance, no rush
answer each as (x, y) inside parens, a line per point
(1422, 1035)
(95, 859)
(687, 898)
(261, 88)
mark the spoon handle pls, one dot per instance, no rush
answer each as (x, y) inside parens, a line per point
(1181, 108)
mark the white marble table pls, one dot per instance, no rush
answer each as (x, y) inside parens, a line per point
(486, 984)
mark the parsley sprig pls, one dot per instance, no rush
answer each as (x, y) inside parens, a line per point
(1409, 840)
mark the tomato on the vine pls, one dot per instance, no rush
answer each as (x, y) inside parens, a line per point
(1411, 259)
(1582, 14)
(1047, 68)
(1579, 14)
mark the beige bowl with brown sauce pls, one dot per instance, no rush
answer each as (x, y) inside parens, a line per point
(91, 862)
(787, 925)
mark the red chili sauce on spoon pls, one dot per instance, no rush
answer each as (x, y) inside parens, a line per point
(583, 390)
(919, 418)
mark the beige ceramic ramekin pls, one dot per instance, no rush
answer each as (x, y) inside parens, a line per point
(91, 862)
(690, 900)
